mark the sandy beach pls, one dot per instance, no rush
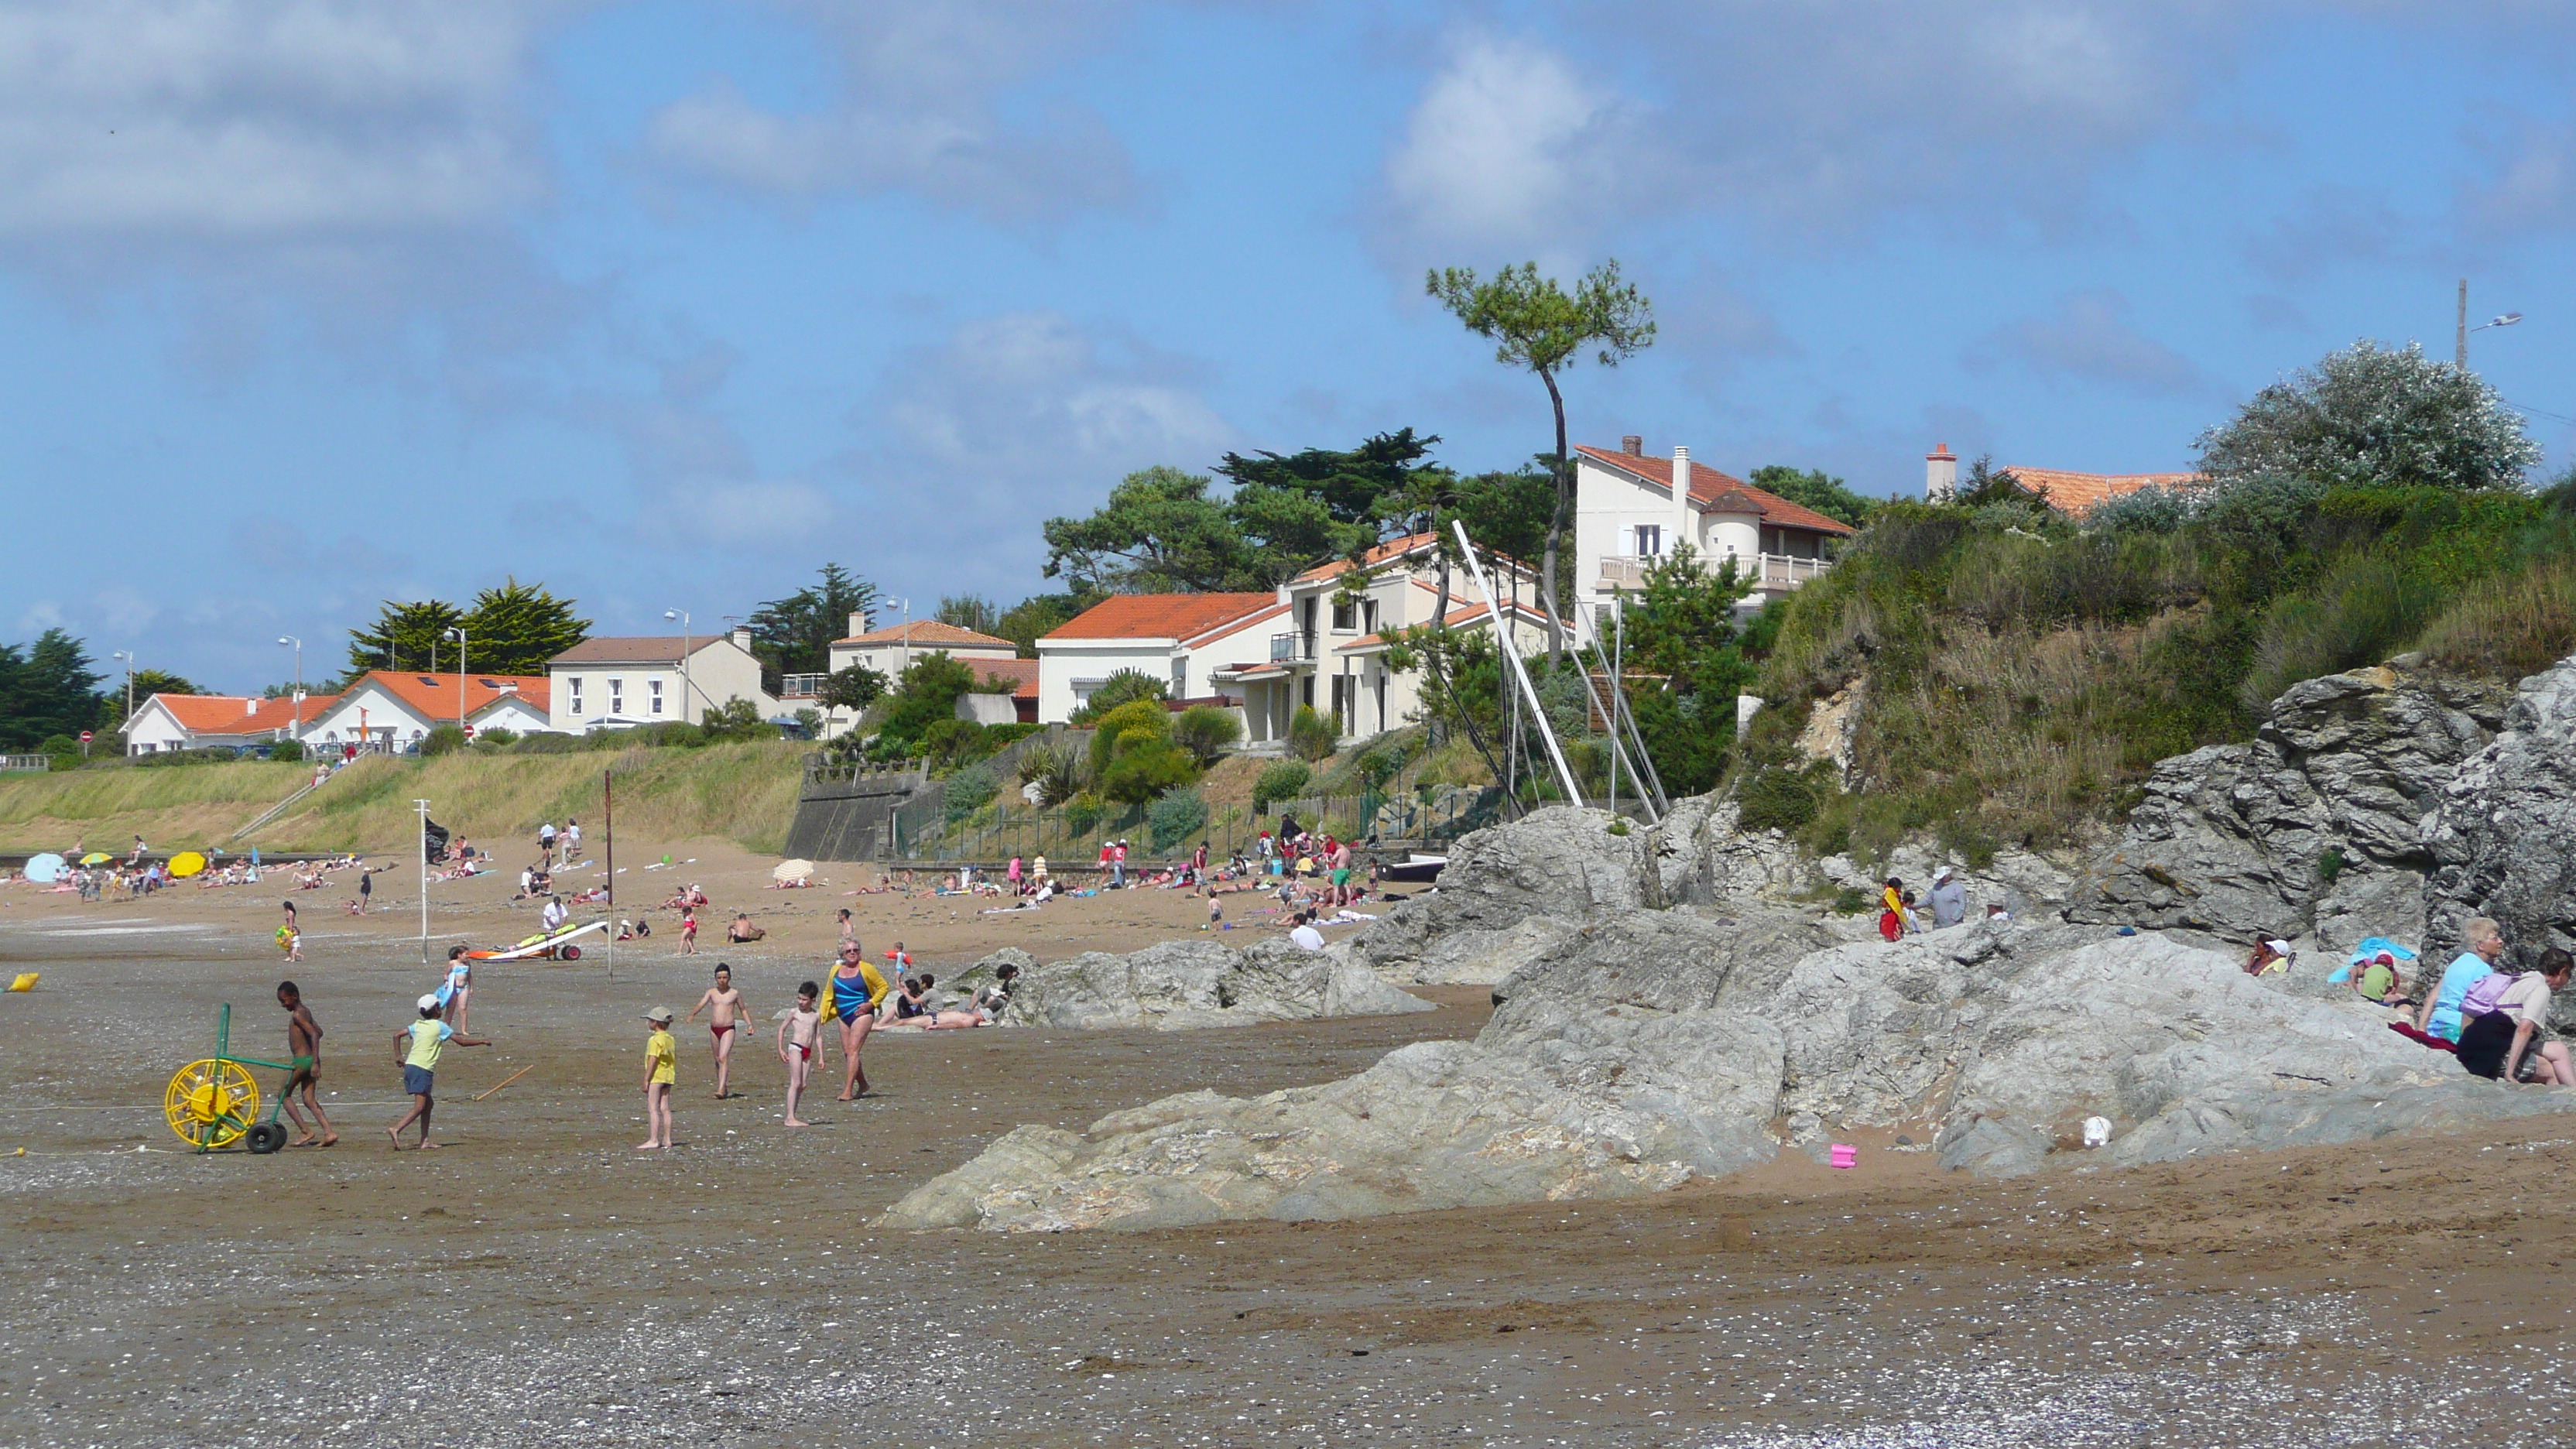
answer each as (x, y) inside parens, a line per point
(537, 1281)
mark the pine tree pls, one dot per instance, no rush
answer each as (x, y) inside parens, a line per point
(405, 636)
(794, 635)
(47, 688)
(516, 628)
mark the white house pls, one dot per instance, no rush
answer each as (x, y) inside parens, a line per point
(1184, 640)
(1627, 514)
(166, 722)
(890, 650)
(1330, 643)
(385, 709)
(600, 683)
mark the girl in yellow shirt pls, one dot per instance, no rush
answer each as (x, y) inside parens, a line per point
(661, 1074)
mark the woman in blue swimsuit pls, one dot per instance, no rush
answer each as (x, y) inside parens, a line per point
(857, 987)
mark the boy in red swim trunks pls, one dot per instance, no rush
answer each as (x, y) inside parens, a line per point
(800, 1035)
(725, 1012)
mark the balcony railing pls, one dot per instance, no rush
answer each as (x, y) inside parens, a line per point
(1778, 572)
(1292, 647)
(800, 686)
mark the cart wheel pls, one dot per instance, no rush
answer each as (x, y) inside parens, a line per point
(264, 1138)
(211, 1103)
(571, 953)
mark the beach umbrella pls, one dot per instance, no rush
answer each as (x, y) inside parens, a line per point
(186, 863)
(792, 870)
(97, 857)
(45, 868)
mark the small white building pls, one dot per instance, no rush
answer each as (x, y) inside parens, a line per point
(1628, 514)
(890, 650)
(620, 681)
(1184, 640)
(166, 722)
(386, 710)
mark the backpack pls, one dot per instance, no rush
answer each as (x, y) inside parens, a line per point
(2486, 994)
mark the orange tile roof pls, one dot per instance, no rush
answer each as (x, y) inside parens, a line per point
(2080, 493)
(433, 696)
(1392, 548)
(929, 634)
(1160, 616)
(1023, 671)
(233, 714)
(1713, 492)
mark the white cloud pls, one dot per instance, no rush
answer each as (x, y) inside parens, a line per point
(915, 112)
(262, 118)
(1507, 139)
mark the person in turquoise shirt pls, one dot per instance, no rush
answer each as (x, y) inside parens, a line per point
(2441, 1015)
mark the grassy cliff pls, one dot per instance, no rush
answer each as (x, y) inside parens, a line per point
(2010, 675)
(744, 792)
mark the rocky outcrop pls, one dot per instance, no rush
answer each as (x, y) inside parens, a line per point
(2321, 826)
(1561, 862)
(1181, 985)
(2504, 844)
(1659, 1048)
(1481, 958)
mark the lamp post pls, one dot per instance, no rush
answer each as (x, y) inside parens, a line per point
(128, 656)
(686, 688)
(905, 603)
(2460, 351)
(295, 705)
(459, 636)
(420, 851)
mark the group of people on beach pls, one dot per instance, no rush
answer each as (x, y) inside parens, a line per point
(2494, 1019)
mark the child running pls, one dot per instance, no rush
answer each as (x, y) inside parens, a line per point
(800, 1035)
(425, 1039)
(661, 1075)
(689, 931)
(726, 1011)
(304, 1049)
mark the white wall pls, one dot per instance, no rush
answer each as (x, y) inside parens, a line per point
(581, 696)
(889, 659)
(1069, 669)
(383, 712)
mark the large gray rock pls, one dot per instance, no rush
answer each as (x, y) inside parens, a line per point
(1560, 862)
(2319, 826)
(2504, 844)
(1181, 985)
(1481, 958)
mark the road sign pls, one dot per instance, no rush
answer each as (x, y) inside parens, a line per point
(84, 737)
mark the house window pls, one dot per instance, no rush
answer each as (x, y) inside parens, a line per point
(575, 682)
(654, 687)
(1650, 539)
(1180, 678)
(616, 697)
(1345, 614)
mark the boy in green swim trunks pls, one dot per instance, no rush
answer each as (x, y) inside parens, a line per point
(304, 1049)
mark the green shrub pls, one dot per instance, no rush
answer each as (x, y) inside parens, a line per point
(1311, 736)
(1141, 772)
(735, 719)
(1175, 818)
(676, 733)
(287, 751)
(547, 742)
(953, 742)
(498, 738)
(1055, 769)
(445, 739)
(2509, 626)
(1777, 799)
(1282, 781)
(968, 791)
(1131, 726)
(2330, 865)
(1207, 731)
(1126, 687)
(1082, 813)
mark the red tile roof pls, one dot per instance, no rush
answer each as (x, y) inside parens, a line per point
(1392, 548)
(233, 714)
(433, 696)
(929, 634)
(2081, 493)
(1714, 492)
(1023, 671)
(1161, 616)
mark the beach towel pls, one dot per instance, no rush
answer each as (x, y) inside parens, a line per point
(2407, 1030)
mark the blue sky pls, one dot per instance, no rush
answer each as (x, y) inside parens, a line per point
(308, 305)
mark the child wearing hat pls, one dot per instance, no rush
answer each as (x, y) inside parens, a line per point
(661, 1074)
(416, 1050)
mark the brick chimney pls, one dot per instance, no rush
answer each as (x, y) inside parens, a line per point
(1682, 529)
(1633, 446)
(1940, 474)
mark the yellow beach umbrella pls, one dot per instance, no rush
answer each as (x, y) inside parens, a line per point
(186, 863)
(97, 857)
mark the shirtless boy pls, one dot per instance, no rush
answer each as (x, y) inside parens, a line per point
(725, 1012)
(800, 1035)
(304, 1049)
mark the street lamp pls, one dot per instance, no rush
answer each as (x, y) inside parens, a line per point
(295, 706)
(686, 687)
(905, 604)
(2460, 351)
(459, 636)
(128, 656)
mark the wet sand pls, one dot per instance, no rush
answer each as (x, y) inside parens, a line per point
(538, 1282)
